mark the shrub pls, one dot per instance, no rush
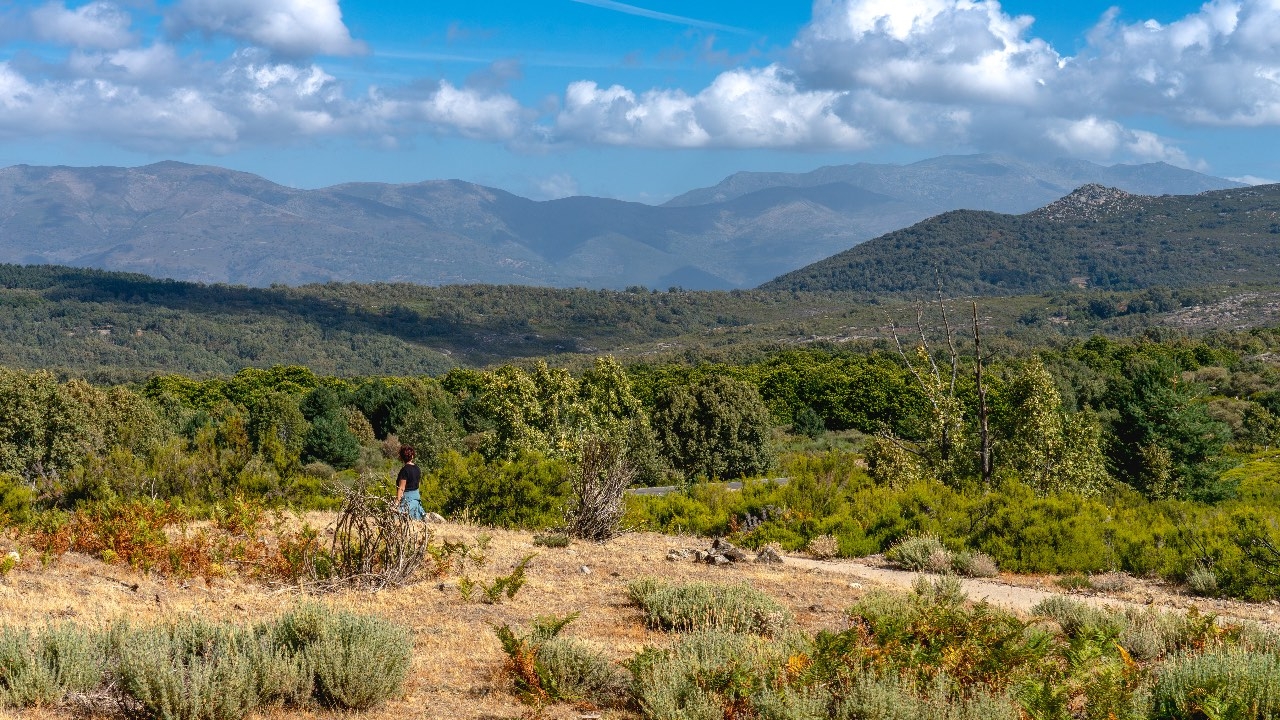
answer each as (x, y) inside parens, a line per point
(546, 667)
(917, 552)
(39, 669)
(24, 679)
(1202, 581)
(890, 697)
(359, 661)
(581, 674)
(1111, 582)
(935, 632)
(551, 540)
(1222, 683)
(974, 564)
(191, 671)
(823, 547)
(712, 675)
(1074, 582)
(703, 606)
(1078, 619)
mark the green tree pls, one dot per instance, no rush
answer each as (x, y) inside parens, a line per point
(718, 427)
(329, 441)
(428, 436)
(386, 404)
(1164, 441)
(1049, 450)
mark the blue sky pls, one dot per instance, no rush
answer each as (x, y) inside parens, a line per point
(639, 100)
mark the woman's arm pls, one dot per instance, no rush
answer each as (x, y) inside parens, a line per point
(400, 481)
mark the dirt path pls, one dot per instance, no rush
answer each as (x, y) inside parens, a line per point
(1023, 598)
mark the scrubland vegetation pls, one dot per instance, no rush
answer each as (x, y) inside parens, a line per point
(1150, 456)
(1098, 461)
(931, 653)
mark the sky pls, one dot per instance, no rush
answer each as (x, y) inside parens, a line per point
(638, 100)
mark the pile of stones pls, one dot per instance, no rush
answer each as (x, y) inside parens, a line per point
(723, 552)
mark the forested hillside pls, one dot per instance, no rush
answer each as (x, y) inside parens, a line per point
(113, 327)
(1096, 238)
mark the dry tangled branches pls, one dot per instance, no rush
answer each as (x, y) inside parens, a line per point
(375, 545)
(604, 474)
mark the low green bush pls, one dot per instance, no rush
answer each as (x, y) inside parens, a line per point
(552, 540)
(1224, 683)
(891, 697)
(1078, 619)
(580, 674)
(974, 564)
(196, 670)
(715, 674)
(359, 661)
(40, 668)
(192, 671)
(25, 680)
(919, 553)
(1202, 581)
(705, 606)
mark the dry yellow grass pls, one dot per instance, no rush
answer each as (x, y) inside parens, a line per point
(457, 669)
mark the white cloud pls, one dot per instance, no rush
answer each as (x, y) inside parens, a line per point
(1217, 66)
(95, 25)
(293, 28)
(741, 108)
(556, 186)
(939, 74)
(1254, 180)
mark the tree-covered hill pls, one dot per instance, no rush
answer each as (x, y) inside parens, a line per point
(1096, 238)
(116, 327)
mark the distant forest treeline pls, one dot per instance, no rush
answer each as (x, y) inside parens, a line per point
(114, 327)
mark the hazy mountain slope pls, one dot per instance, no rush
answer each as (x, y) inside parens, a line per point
(215, 225)
(974, 182)
(1095, 237)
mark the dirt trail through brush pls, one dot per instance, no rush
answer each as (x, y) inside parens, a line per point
(1023, 598)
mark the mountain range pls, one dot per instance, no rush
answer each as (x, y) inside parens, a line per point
(211, 224)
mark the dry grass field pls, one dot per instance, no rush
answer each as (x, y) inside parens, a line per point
(458, 662)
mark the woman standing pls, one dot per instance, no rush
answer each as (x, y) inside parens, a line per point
(407, 482)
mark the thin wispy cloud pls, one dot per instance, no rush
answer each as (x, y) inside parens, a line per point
(664, 17)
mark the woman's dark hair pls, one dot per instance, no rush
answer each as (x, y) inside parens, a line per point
(407, 453)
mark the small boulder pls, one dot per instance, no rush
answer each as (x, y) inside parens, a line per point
(769, 555)
(433, 517)
(676, 554)
(718, 559)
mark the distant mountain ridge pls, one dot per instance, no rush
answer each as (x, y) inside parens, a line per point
(210, 224)
(1095, 237)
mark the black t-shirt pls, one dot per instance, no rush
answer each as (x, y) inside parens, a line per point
(411, 475)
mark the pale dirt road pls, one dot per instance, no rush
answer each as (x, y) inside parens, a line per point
(1022, 598)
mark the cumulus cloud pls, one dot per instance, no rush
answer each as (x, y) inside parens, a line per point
(294, 28)
(95, 25)
(940, 74)
(741, 108)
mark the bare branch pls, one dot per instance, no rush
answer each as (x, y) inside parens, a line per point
(951, 338)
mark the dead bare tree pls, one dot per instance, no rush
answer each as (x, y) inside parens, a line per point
(604, 474)
(984, 429)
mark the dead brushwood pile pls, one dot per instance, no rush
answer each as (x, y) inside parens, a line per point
(375, 545)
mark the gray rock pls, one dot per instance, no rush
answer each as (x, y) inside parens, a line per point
(717, 559)
(769, 556)
(433, 517)
(676, 554)
(700, 555)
